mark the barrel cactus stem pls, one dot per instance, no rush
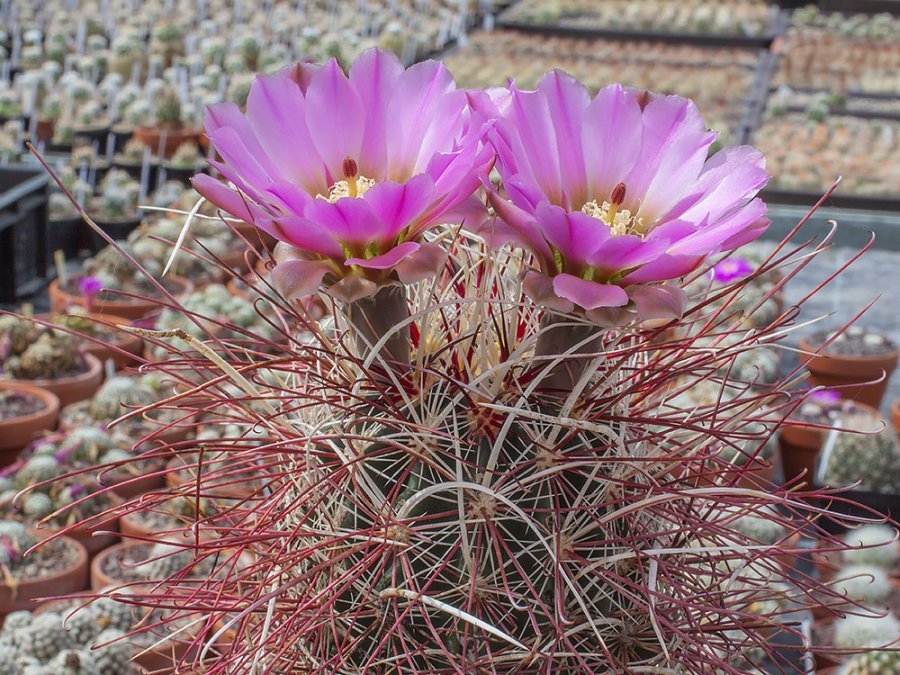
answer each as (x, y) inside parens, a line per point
(562, 336)
(378, 315)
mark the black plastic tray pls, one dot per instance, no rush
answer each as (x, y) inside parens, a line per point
(764, 41)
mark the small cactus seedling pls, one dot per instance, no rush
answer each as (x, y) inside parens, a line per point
(872, 458)
(866, 632)
(877, 662)
(168, 109)
(874, 544)
(44, 637)
(15, 540)
(863, 583)
(32, 352)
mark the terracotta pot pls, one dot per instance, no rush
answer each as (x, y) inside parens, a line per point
(124, 340)
(178, 473)
(45, 129)
(70, 580)
(132, 486)
(151, 136)
(84, 532)
(838, 370)
(17, 432)
(75, 388)
(100, 577)
(132, 309)
(895, 415)
(799, 447)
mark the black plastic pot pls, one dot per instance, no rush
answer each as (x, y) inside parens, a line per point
(23, 231)
(67, 235)
(859, 504)
(117, 229)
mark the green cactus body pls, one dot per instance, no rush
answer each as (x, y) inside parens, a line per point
(44, 637)
(871, 458)
(873, 545)
(117, 396)
(873, 663)
(866, 632)
(112, 654)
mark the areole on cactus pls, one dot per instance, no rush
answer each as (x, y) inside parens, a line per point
(451, 507)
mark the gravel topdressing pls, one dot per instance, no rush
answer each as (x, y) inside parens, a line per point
(854, 341)
(51, 558)
(14, 404)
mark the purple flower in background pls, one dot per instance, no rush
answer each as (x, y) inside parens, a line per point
(349, 171)
(731, 269)
(616, 195)
(90, 286)
(825, 397)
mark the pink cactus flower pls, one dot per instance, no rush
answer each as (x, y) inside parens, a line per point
(349, 171)
(731, 269)
(615, 196)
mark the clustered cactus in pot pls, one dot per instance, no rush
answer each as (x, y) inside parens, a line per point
(29, 351)
(869, 455)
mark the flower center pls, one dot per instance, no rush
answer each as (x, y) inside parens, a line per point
(353, 184)
(356, 187)
(621, 221)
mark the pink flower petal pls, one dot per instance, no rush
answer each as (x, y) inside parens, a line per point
(424, 115)
(568, 99)
(663, 268)
(399, 205)
(276, 111)
(335, 117)
(374, 74)
(626, 251)
(385, 261)
(611, 140)
(588, 294)
(658, 301)
(298, 278)
(533, 126)
(227, 199)
(540, 289)
(351, 221)
(575, 235)
(422, 264)
(674, 147)
(352, 288)
(730, 178)
(305, 234)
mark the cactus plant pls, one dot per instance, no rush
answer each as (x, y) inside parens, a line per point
(863, 583)
(168, 109)
(866, 632)
(873, 544)
(877, 662)
(871, 457)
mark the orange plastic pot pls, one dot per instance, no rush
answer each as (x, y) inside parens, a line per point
(27, 591)
(152, 136)
(122, 340)
(17, 432)
(118, 306)
(76, 387)
(853, 375)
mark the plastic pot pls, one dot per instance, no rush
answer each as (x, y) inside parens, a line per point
(69, 580)
(853, 375)
(74, 388)
(120, 306)
(17, 432)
